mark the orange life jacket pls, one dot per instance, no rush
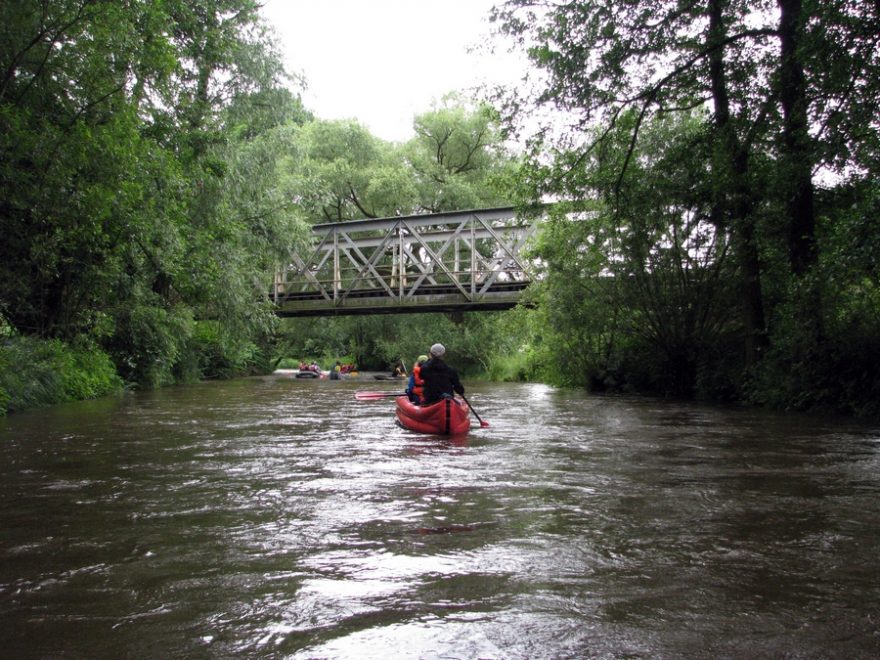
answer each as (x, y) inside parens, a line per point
(418, 382)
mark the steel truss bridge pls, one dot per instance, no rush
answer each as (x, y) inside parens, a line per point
(443, 262)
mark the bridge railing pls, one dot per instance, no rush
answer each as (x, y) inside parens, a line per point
(460, 260)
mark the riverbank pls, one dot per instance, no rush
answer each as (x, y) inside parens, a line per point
(35, 373)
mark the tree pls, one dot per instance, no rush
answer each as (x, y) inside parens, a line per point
(635, 290)
(791, 88)
(70, 139)
(458, 158)
(136, 189)
(605, 59)
(337, 170)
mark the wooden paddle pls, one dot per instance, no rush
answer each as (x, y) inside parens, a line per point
(483, 424)
(369, 396)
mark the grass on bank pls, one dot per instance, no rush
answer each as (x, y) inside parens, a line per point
(38, 372)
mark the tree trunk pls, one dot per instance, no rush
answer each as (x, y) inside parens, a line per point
(734, 196)
(796, 158)
(796, 180)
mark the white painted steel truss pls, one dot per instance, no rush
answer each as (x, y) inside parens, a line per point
(439, 262)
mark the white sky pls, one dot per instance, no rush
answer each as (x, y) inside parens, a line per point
(384, 61)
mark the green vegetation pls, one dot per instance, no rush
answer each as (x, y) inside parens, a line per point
(138, 196)
(375, 343)
(157, 166)
(695, 253)
(336, 170)
(37, 372)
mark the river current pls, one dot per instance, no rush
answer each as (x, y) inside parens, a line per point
(281, 518)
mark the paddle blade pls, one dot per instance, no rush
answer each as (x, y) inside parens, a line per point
(483, 424)
(370, 396)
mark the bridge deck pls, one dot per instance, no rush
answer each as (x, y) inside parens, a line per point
(376, 301)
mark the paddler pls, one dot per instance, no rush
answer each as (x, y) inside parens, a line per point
(416, 386)
(441, 380)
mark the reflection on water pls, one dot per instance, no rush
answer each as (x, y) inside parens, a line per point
(282, 518)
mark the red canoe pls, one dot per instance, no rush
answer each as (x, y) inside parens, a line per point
(447, 417)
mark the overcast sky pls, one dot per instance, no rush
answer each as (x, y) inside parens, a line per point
(384, 61)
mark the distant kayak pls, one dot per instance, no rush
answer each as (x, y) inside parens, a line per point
(387, 377)
(447, 417)
(308, 374)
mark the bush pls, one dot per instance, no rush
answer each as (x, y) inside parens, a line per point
(512, 368)
(87, 372)
(36, 372)
(148, 343)
(211, 354)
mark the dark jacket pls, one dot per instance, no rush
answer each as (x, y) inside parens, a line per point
(440, 380)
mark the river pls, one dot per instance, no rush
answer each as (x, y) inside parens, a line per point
(278, 518)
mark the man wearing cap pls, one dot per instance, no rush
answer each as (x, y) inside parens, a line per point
(441, 380)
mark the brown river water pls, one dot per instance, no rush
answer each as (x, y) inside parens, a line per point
(277, 518)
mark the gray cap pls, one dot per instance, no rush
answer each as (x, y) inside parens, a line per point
(438, 350)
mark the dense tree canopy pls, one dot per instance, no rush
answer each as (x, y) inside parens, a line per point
(136, 178)
(459, 158)
(790, 89)
(336, 170)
